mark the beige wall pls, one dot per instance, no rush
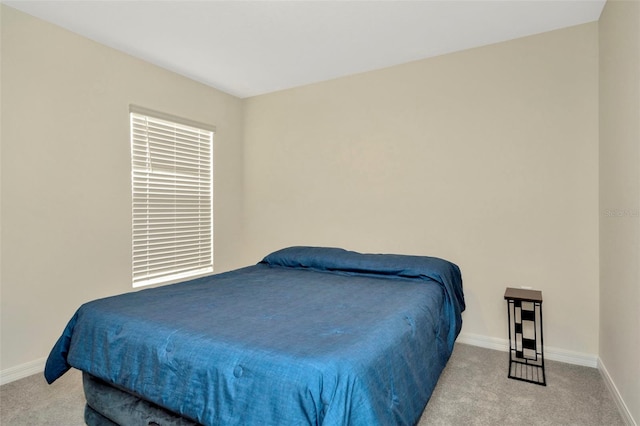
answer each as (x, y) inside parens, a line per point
(66, 212)
(487, 157)
(619, 30)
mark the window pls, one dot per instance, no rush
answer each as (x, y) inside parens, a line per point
(172, 188)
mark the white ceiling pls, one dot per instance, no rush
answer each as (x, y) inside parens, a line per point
(247, 48)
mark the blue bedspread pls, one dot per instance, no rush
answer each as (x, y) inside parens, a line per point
(307, 336)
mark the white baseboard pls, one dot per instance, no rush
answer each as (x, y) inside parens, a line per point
(550, 353)
(484, 341)
(622, 407)
(21, 371)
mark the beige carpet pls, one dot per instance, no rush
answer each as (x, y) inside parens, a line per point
(473, 390)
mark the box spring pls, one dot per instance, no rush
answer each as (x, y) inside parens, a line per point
(111, 406)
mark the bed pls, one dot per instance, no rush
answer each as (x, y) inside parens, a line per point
(309, 335)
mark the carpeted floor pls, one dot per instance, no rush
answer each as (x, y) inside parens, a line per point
(473, 390)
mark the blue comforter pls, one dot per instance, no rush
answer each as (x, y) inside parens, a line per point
(307, 336)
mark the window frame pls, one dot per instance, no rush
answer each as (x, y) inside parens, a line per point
(186, 173)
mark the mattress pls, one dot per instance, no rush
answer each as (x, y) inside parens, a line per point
(307, 336)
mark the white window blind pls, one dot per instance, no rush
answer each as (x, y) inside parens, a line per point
(172, 181)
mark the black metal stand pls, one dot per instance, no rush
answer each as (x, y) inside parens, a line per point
(526, 352)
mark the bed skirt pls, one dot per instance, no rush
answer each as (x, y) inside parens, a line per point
(110, 406)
